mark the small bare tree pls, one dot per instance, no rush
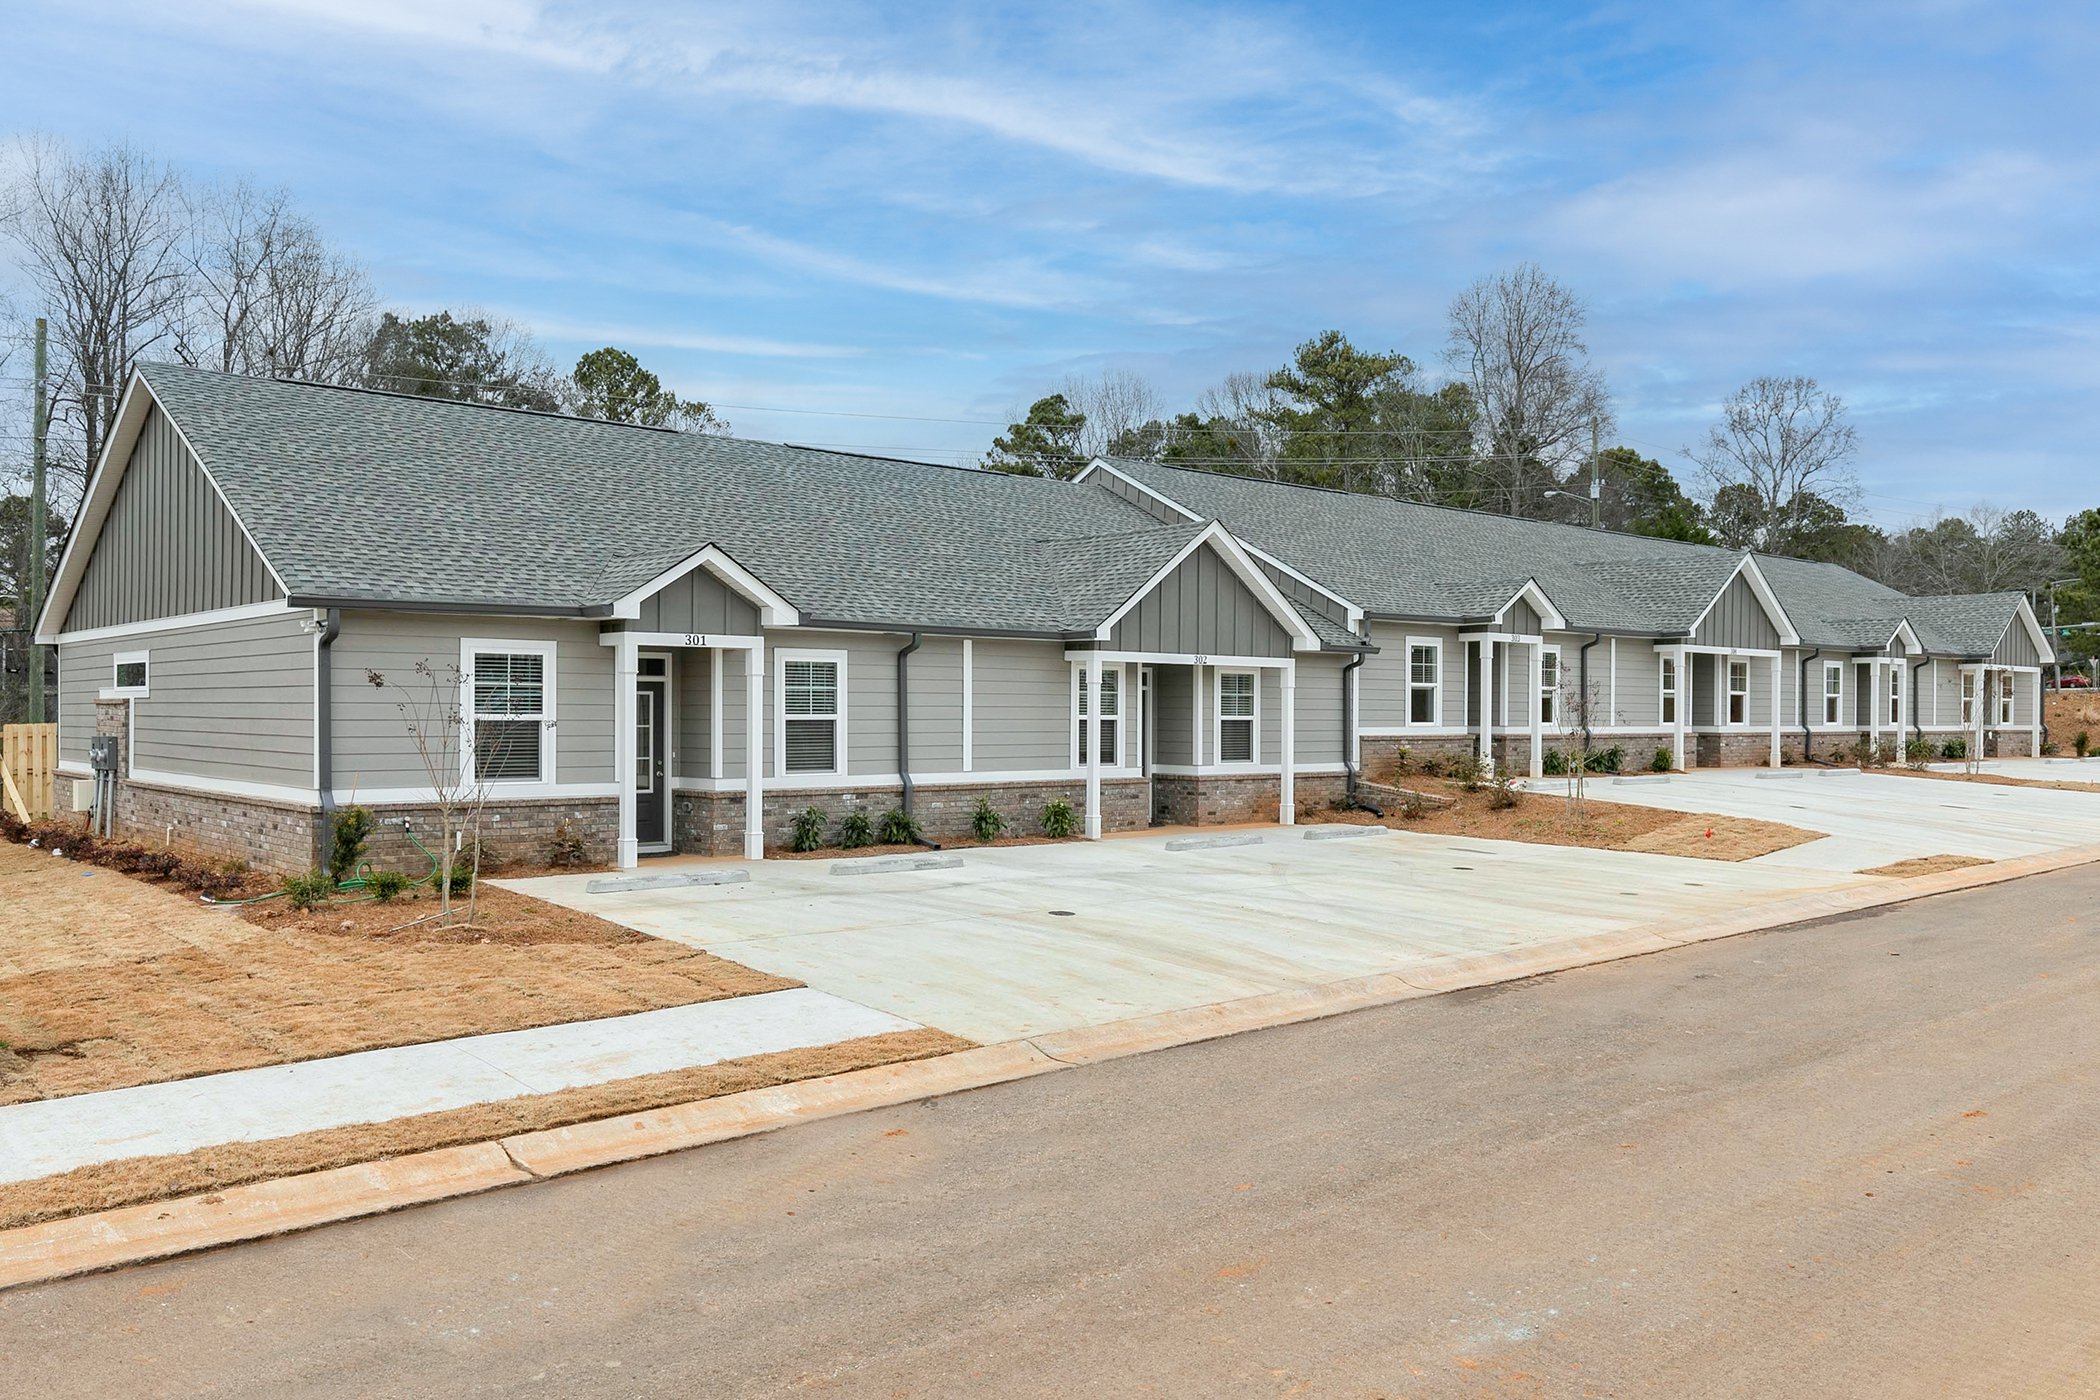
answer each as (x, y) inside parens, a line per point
(268, 295)
(1577, 711)
(1114, 402)
(1780, 442)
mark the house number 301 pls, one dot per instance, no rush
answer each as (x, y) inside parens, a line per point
(696, 639)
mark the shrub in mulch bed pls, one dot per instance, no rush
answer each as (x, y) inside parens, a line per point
(215, 879)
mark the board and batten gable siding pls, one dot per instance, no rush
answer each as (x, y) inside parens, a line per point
(1382, 680)
(1521, 618)
(227, 700)
(1737, 619)
(1201, 608)
(373, 747)
(1145, 501)
(169, 546)
(1304, 597)
(698, 603)
(2016, 647)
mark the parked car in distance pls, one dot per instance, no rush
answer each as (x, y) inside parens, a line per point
(2074, 681)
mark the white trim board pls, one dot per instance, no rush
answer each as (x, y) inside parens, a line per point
(773, 609)
(246, 612)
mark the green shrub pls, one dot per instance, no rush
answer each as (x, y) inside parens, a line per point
(346, 841)
(855, 831)
(808, 831)
(1503, 792)
(1555, 764)
(1058, 819)
(2050, 747)
(567, 845)
(462, 878)
(2082, 742)
(1917, 753)
(1885, 753)
(1955, 750)
(1412, 807)
(309, 891)
(986, 822)
(1467, 772)
(386, 886)
(1400, 759)
(1663, 761)
(898, 828)
(1610, 760)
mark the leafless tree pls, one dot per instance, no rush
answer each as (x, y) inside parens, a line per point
(1516, 342)
(1114, 402)
(1985, 550)
(268, 295)
(1238, 410)
(103, 242)
(1780, 441)
(1577, 711)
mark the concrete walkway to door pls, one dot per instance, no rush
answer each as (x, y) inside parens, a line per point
(1019, 941)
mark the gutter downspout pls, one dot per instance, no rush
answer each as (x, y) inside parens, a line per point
(904, 728)
(1801, 698)
(1582, 678)
(324, 726)
(1349, 740)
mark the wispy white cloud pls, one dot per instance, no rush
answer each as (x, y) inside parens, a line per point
(676, 339)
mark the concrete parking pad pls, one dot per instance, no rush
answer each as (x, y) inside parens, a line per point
(1026, 940)
(1875, 818)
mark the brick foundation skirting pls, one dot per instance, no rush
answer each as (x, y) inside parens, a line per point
(712, 823)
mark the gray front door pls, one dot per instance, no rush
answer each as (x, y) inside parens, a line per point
(652, 788)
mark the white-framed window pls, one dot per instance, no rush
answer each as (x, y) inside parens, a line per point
(507, 705)
(1968, 699)
(1669, 690)
(1425, 675)
(1549, 685)
(1833, 692)
(2005, 697)
(1239, 720)
(1738, 691)
(1111, 716)
(128, 675)
(809, 711)
(1896, 694)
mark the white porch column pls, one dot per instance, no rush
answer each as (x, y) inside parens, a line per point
(755, 752)
(1684, 708)
(1090, 687)
(1198, 699)
(1487, 705)
(2035, 749)
(1778, 664)
(1976, 711)
(1286, 785)
(627, 851)
(1538, 709)
(715, 663)
(1875, 700)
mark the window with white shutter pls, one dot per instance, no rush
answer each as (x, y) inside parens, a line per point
(1236, 717)
(809, 718)
(509, 710)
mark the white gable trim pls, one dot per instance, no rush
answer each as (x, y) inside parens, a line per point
(101, 494)
(1242, 564)
(774, 610)
(1908, 635)
(1550, 617)
(1768, 600)
(2024, 613)
(1101, 464)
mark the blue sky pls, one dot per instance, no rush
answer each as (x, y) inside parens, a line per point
(936, 213)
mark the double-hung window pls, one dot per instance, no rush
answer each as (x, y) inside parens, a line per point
(811, 714)
(1111, 712)
(1424, 674)
(1669, 690)
(1236, 717)
(1896, 693)
(1549, 685)
(1833, 691)
(2005, 697)
(510, 710)
(1968, 699)
(1738, 692)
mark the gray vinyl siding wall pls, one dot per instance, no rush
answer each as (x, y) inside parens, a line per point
(373, 749)
(169, 546)
(1382, 679)
(1737, 619)
(1319, 710)
(1144, 501)
(1522, 618)
(1710, 693)
(1305, 599)
(698, 602)
(1173, 699)
(936, 705)
(231, 700)
(2016, 648)
(1022, 707)
(1201, 608)
(692, 695)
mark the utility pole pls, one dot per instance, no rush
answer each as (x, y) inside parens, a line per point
(38, 529)
(1596, 480)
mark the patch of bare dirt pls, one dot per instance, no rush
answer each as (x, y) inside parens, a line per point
(111, 1184)
(1925, 865)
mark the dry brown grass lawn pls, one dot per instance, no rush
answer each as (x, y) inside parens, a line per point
(1925, 865)
(1549, 819)
(111, 1184)
(107, 981)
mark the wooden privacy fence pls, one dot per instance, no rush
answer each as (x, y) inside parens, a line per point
(28, 768)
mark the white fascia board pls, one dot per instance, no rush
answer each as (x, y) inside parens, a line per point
(774, 610)
(1355, 613)
(2043, 647)
(1242, 564)
(243, 612)
(1908, 635)
(1551, 618)
(1102, 465)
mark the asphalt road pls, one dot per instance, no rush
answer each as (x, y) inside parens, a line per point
(1858, 1159)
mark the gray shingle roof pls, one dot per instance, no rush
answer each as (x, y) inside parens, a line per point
(359, 495)
(1968, 624)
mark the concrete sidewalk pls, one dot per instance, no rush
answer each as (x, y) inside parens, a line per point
(377, 1086)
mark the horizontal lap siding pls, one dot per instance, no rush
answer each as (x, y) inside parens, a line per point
(1737, 619)
(1382, 680)
(1023, 706)
(936, 705)
(1636, 699)
(1319, 710)
(1201, 608)
(169, 545)
(871, 700)
(373, 747)
(691, 694)
(1173, 718)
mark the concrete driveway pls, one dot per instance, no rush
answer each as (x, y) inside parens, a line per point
(1873, 818)
(1023, 940)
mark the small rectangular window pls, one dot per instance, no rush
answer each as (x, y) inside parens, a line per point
(1968, 699)
(1424, 663)
(1738, 692)
(130, 673)
(1833, 692)
(1549, 687)
(1236, 717)
(809, 696)
(1669, 690)
(1896, 694)
(1111, 712)
(509, 691)
(2005, 697)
